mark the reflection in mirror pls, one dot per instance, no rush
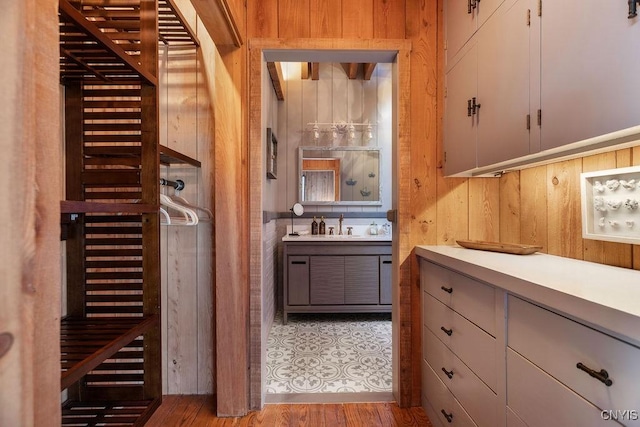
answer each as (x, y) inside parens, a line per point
(339, 175)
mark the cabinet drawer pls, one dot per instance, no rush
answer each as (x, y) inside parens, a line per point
(541, 401)
(472, 345)
(557, 344)
(442, 401)
(474, 395)
(470, 298)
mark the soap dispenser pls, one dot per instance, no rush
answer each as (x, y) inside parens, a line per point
(314, 226)
(323, 226)
(373, 229)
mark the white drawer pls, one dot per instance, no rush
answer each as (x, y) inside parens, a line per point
(472, 299)
(474, 395)
(541, 401)
(443, 403)
(471, 344)
(557, 344)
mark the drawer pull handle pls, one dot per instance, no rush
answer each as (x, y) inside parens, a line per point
(386, 262)
(298, 262)
(448, 373)
(446, 331)
(447, 290)
(602, 376)
(449, 417)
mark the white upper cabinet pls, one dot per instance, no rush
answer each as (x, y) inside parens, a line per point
(463, 19)
(590, 70)
(552, 78)
(488, 101)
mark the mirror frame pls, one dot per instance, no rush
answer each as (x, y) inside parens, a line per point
(339, 202)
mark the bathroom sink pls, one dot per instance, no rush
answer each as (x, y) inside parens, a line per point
(337, 237)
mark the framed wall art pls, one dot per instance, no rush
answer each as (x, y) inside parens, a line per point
(610, 200)
(272, 155)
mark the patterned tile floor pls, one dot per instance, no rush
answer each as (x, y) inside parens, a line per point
(329, 353)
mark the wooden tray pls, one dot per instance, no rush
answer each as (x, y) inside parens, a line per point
(507, 248)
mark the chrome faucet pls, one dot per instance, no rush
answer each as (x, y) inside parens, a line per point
(340, 221)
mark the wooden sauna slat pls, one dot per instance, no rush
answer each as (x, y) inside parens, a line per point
(72, 16)
(111, 413)
(100, 350)
(73, 206)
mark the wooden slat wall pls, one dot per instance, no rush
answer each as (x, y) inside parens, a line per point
(30, 224)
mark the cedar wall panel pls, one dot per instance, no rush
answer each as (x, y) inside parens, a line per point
(324, 23)
(30, 224)
(357, 19)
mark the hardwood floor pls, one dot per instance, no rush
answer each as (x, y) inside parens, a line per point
(198, 411)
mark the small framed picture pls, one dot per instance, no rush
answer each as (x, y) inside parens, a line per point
(272, 155)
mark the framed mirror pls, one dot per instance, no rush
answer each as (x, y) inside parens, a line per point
(339, 176)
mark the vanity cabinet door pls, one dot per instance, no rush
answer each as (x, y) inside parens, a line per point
(326, 275)
(361, 280)
(298, 280)
(385, 279)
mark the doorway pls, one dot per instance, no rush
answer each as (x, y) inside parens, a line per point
(363, 51)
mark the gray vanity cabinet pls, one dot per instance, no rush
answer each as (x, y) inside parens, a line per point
(337, 277)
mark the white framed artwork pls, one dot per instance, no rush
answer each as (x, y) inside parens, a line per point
(610, 200)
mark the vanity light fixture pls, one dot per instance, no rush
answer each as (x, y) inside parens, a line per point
(342, 128)
(368, 136)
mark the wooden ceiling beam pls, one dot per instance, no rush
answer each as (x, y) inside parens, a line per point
(351, 68)
(368, 70)
(220, 22)
(275, 71)
(315, 71)
(305, 70)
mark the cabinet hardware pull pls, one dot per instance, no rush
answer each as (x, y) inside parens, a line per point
(447, 290)
(469, 109)
(633, 11)
(446, 331)
(448, 373)
(602, 376)
(474, 106)
(298, 262)
(449, 417)
(386, 262)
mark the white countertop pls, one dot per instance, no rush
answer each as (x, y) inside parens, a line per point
(337, 238)
(603, 295)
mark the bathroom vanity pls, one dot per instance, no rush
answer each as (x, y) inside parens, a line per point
(336, 274)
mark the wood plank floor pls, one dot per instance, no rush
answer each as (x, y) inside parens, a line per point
(199, 411)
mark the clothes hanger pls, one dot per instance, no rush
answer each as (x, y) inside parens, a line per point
(190, 216)
(181, 200)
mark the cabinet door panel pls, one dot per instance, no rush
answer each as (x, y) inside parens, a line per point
(459, 25)
(503, 85)
(298, 280)
(385, 279)
(590, 69)
(326, 275)
(361, 280)
(459, 128)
